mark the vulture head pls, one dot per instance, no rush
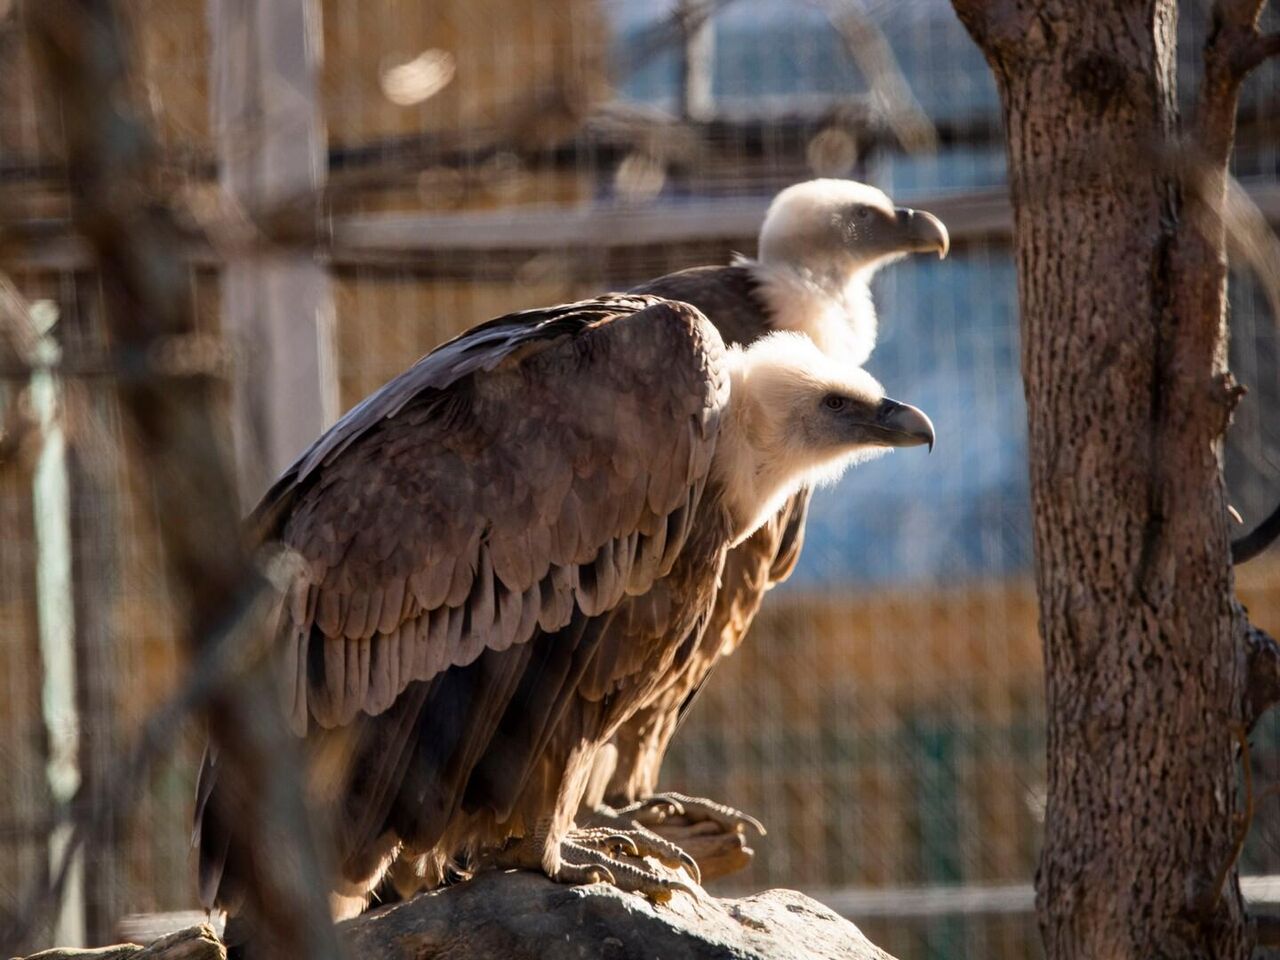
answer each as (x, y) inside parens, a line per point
(845, 227)
(820, 245)
(797, 417)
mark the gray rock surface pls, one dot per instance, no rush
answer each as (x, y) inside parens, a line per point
(524, 916)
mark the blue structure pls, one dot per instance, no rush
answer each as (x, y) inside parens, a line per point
(949, 336)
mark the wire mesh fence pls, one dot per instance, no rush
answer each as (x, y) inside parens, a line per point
(885, 717)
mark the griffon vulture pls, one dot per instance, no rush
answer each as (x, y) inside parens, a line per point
(509, 549)
(820, 244)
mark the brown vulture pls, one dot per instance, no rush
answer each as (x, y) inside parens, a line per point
(508, 550)
(820, 244)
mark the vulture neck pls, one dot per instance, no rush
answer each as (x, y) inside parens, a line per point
(830, 305)
(759, 463)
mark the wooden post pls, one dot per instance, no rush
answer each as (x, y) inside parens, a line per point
(52, 511)
(697, 100)
(277, 306)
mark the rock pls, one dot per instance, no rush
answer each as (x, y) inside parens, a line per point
(521, 915)
(193, 943)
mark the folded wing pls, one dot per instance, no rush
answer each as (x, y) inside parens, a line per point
(540, 463)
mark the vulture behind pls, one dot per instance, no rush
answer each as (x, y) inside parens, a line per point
(821, 243)
(508, 550)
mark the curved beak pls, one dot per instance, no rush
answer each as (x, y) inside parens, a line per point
(922, 232)
(902, 425)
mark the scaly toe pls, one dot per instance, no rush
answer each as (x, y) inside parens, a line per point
(626, 876)
(606, 839)
(584, 873)
(650, 844)
(700, 808)
(652, 810)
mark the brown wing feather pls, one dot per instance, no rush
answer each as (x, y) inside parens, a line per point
(427, 539)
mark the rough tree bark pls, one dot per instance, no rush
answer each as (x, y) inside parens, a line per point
(1122, 282)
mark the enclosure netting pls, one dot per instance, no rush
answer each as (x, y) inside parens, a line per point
(885, 717)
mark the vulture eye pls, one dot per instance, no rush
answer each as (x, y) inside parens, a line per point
(833, 401)
(861, 212)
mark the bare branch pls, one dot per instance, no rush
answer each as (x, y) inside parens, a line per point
(1233, 48)
(1234, 43)
(1262, 689)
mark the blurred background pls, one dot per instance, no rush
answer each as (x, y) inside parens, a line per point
(473, 157)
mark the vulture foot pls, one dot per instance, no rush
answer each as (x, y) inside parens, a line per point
(712, 833)
(584, 855)
(636, 841)
(661, 807)
(607, 855)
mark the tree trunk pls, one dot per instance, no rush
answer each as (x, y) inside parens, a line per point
(1122, 282)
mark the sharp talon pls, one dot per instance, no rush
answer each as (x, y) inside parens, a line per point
(668, 888)
(623, 841)
(729, 818)
(620, 858)
(755, 824)
(691, 865)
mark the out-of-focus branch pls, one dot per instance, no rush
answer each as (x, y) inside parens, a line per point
(1262, 685)
(175, 435)
(1233, 47)
(873, 55)
(1235, 44)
